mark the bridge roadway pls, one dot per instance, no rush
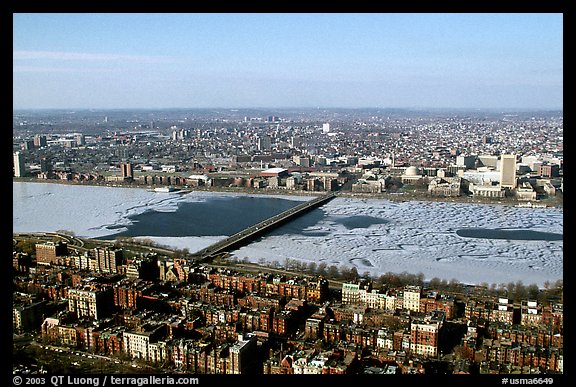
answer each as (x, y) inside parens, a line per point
(240, 238)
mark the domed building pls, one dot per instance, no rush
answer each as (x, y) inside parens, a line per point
(411, 175)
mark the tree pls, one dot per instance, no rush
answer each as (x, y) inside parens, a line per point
(510, 287)
(533, 291)
(444, 284)
(390, 279)
(322, 269)
(66, 232)
(312, 267)
(300, 266)
(502, 289)
(483, 289)
(520, 292)
(353, 274)
(455, 285)
(333, 272)
(420, 279)
(493, 289)
(345, 273)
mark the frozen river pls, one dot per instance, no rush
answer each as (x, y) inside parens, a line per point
(472, 243)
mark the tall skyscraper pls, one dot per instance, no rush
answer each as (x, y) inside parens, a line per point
(508, 171)
(19, 167)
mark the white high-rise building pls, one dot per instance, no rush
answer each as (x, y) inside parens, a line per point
(326, 128)
(19, 167)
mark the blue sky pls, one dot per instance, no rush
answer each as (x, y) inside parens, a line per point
(236, 60)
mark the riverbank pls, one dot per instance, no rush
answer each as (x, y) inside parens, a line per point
(554, 201)
(372, 235)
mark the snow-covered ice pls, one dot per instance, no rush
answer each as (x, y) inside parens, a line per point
(373, 235)
(419, 236)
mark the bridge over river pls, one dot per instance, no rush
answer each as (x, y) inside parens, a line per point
(243, 237)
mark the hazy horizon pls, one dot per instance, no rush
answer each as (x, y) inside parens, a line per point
(418, 61)
(282, 108)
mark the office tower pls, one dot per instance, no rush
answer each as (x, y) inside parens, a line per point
(295, 142)
(19, 167)
(28, 145)
(126, 170)
(468, 161)
(40, 141)
(508, 171)
(264, 143)
(80, 140)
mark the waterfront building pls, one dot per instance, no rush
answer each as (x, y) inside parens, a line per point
(19, 166)
(445, 187)
(525, 191)
(126, 171)
(411, 175)
(508, 171)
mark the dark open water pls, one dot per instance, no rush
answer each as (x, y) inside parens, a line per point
(229, 215)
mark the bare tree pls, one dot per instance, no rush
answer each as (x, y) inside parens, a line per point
(520, 292)
(353, 275)
(533, 291)
(321, 269)
(345, 273)
(312, 267)
(333, 272)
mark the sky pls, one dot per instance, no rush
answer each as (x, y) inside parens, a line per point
(287, 60)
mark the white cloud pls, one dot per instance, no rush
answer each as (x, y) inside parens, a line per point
(91, 57)
(45, 69)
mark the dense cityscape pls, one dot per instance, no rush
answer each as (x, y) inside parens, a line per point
(124, 306)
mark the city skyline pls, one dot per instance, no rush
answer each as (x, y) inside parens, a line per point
(350, 60)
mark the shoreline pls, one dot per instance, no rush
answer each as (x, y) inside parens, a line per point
(297, 252)
(554, 202)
